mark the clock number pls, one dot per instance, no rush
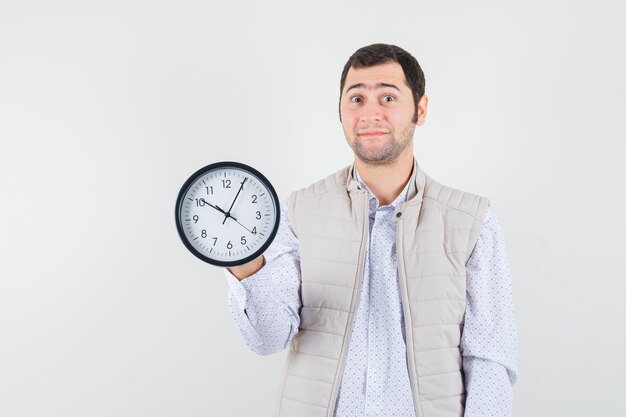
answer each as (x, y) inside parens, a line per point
(254, 198)
(229, 245)
(209, 190)
(225, 183)
(214, 240)
(243, 240)
(200, 202)
(196, 218)
(254, 230)
(203, 234)
(258, 215)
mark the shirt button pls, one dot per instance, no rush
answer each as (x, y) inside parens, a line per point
(398, 214)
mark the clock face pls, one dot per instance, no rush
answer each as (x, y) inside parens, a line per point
(227, 213)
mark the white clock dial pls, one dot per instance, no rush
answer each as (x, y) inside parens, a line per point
(227, 213)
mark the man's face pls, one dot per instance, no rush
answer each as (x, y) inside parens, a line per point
(377, 110)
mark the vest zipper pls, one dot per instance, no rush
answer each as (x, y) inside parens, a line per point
(356, 297)
(408, 322)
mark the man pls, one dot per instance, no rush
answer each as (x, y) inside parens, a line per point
(392, 290)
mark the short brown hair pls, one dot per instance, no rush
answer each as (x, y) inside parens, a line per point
(381, 53)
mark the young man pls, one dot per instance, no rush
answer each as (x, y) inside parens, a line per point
(392, 290)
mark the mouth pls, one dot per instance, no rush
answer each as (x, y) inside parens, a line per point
(373, 133)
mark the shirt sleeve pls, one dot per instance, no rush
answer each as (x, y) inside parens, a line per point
(489, 339)
(265, 306)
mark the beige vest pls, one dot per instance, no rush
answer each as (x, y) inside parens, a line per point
(437, 228)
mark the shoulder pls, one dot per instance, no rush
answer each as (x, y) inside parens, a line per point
(328, 195)
(446, 197)
(458, 209)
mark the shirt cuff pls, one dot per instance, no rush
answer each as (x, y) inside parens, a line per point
(237, 302)
(489, 389)
(237, 289)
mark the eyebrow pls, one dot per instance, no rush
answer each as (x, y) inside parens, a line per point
(379, 85)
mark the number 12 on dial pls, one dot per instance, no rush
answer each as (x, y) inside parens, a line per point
(227, 213)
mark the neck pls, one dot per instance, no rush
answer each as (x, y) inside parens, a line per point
(386, 181)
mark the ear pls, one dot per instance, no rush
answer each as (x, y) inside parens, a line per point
(422, 108)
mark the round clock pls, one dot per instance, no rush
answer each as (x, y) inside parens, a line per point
(227, 213)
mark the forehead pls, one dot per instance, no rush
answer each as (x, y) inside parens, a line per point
(388, 73)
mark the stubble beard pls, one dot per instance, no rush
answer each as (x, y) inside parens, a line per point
(386, 154)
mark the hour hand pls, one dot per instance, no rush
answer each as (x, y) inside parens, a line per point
(215, 207)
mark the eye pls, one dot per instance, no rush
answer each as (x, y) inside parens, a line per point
(388, 98)
(355, 99)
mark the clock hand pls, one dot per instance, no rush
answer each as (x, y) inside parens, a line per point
(229, 215)
(226, 215)
(215, 207)
(242, 225)
(231, 206)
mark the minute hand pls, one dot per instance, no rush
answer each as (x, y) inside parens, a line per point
(231, 206)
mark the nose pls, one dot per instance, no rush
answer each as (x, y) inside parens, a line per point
(371, 111)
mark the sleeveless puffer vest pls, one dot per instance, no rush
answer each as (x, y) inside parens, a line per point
(437, 229)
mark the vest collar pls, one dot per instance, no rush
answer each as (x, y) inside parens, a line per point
(417, 182)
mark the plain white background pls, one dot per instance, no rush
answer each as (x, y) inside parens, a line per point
(107, 107)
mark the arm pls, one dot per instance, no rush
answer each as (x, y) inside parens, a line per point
(489, 340)
(263, 296)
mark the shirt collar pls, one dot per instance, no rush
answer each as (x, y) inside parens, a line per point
(401, 198)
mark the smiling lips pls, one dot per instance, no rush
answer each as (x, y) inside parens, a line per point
(372, 133)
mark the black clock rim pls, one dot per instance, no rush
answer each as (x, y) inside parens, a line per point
(192, 179)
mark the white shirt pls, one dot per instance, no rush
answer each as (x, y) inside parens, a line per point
(375, 380)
